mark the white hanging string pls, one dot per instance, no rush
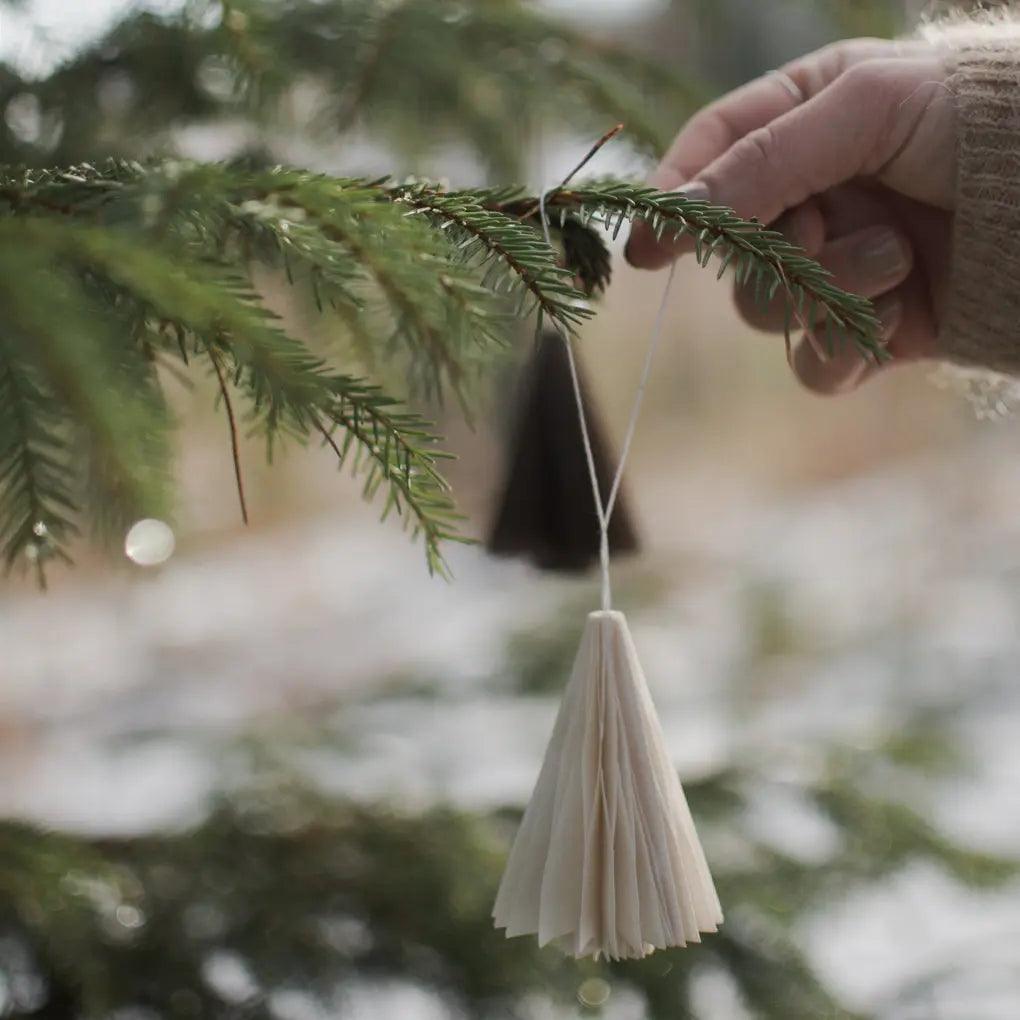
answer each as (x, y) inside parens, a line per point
(604, 511)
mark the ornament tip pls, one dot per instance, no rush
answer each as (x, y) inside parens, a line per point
(605, 614)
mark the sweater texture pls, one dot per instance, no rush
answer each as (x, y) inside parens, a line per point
(981, 324)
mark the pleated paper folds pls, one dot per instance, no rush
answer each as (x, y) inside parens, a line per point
(607, 861)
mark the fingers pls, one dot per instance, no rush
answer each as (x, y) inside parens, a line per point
(868, 262)
(818, 145)
(805, 227)
(710, 132)
(908, 332)
(715, 129)
(864, 124)
(826, 141)
(846, 369)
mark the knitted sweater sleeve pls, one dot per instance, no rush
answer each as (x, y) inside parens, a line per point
(981, 321)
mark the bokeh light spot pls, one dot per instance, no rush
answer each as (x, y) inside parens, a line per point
(593, 992)
(149, 542)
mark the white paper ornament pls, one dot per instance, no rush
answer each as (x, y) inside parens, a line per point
(607, 861)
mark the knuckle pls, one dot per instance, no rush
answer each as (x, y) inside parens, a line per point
(764, 154)
(866, 81)
(848, 53)
(711, 125)
(758, 148)
(876, 88)
(836, 58)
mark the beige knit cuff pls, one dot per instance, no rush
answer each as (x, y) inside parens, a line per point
(981, 324)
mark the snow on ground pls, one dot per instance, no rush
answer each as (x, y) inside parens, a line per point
(118, 696)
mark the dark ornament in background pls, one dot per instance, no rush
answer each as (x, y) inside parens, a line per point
(547, 511)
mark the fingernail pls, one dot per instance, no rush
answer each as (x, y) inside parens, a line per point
(884, 255)
(890, 312)
(650, 252)
(696, 190)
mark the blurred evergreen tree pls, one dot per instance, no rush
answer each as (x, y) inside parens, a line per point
(283, 892)
(123, 262)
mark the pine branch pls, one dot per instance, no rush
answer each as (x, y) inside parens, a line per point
(475, 68)
(289, 389)
(757, 254)
(154, 260)
(354, 242)
(404, 264)
(37, 480)
(376, 30)
(486, 225)
(399, 448)
(292, 391)
(91, 375)
(487, 238)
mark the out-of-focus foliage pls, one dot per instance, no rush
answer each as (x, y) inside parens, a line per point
(151, 263)
(867, 17)
(116, 273)
(282, 891)
(419, 75)
(741, 38)
(161, 274)
(138, 267)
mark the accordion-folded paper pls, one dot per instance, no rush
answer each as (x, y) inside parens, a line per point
(607, 861)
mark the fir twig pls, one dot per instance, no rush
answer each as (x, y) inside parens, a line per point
(591, 154)
(750, 248)
(36, 479)
(584, 161)
(489, 236)
(428, 266)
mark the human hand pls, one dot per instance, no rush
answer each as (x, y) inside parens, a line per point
(851, 152)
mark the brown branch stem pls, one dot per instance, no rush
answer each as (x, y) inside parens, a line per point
(232, 422)
(588, 157)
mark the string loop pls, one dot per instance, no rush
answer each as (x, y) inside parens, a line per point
(604, 511)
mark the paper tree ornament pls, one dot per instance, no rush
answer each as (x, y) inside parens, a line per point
(607, 861)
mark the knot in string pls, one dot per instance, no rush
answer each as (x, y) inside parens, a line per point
(604, 510)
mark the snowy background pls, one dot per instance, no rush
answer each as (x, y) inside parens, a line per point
(814, 573)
